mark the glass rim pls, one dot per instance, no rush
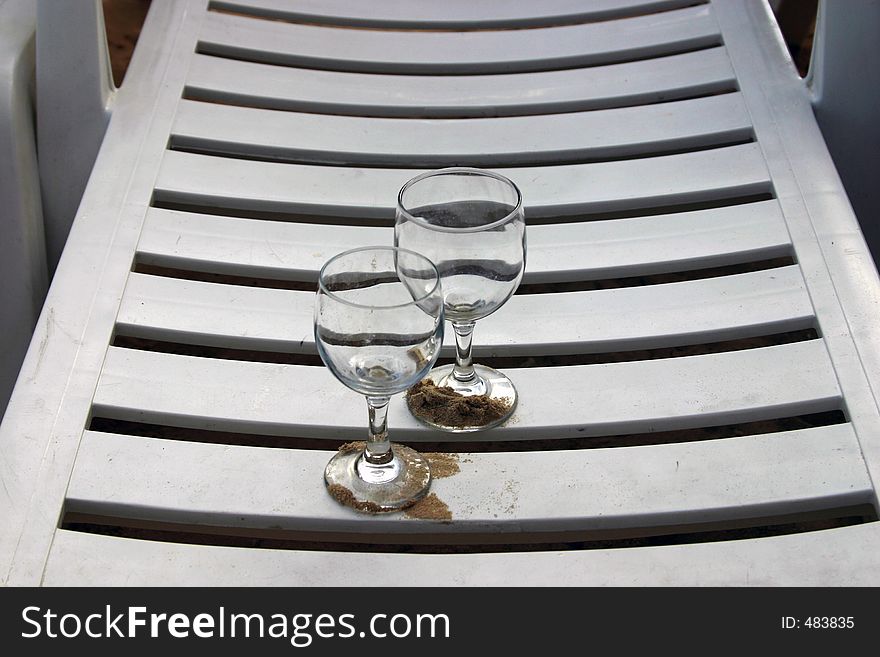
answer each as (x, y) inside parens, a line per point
(468, 171)
(335, 297)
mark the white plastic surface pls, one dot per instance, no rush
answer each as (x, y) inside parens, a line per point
(414, 14)
(257, 487)
(280, 87)
(552, 191)
(508, 141)
(616, 248)
(631, 397)
(732, 307)
(445, 53)
(716, 205)
(838, 557)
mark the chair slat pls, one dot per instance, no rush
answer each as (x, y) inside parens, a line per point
(618, 398)
(652, 80)
(551, 191)
(731, 307)
(508, 141)
(562, 491)
(504, 51)
(460, 14)
(836, 556)
(557, 252)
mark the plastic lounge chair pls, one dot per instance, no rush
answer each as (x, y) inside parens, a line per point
(695, 343)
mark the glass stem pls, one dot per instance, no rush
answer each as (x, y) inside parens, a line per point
(464, 366)
(378, 451)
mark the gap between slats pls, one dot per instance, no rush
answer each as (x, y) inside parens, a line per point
(429, 161)
(503, 362)
(311, 285)
(102, 423)
(427, 544)
(195, 92)
(720, 199)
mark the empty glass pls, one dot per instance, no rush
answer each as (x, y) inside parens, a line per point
(379, 328)
(470, 223)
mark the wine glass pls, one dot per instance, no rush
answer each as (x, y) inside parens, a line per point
(471, 224)
(378, 328)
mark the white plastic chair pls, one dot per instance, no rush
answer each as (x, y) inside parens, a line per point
(695, 344)
(845, 91)
(76, 91)
(22, 247)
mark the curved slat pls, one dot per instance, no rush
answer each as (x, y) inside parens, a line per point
(155, 479)
(547, 191)
(617, 398)
(444, 53)
(278, 87)
(509, 141)
(840, 557)
(459, 14)
(557, 252)
(757, 303)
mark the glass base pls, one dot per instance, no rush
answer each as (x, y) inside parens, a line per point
(389, 487)
(492, 383)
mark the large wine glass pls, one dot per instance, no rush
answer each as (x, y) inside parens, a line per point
(470, 224)
(378, 328)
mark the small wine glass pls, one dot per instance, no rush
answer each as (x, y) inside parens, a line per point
(379, 329)
(471, 224)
